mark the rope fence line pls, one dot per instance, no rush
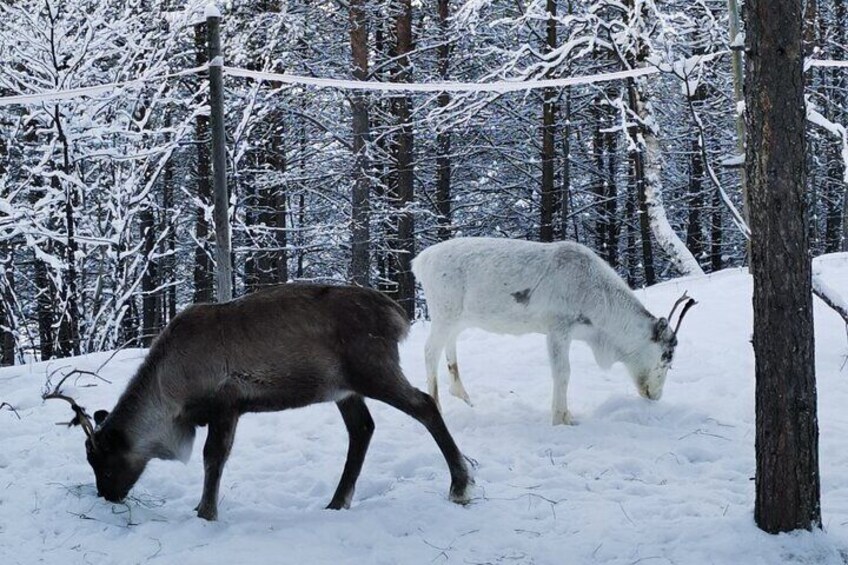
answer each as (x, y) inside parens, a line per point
(501, 87)
(23, 99)
(498, 87)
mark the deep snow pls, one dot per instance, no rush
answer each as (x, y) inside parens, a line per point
(634, 482)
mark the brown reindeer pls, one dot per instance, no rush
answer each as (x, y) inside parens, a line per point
(284, 347)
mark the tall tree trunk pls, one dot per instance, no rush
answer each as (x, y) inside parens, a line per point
(69, 337)
(717, 234)
(7, 301)
(273, 267)
(738, 98)
(150, 298)
(45, 302)
(649, 169)
(404, 248)
(203, 268)
(443, 137)
(637, 164)
(169, 261)
(694, 234)
(632, 254)
(565, 185)
(599, 178)
(611, 201)
(548, 193)
(45, 299)
(787, 481)
(837, 187)
(360, 260)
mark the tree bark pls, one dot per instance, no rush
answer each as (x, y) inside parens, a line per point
(404, 248)
(360, 236)
(787, 478)
(168, 273)
(611, 201)
(637, 162)
(150, 298)
(599, 178)
(548, 192)
(565, 184)
(443, 137)
(7, 301)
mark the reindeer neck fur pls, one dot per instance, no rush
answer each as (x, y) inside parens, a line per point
(620, 326)
(148, 418)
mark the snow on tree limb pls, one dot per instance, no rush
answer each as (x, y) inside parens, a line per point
(668, 240)
(813, 116)
(830, 297)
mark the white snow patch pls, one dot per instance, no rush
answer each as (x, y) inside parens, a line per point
(212, 11)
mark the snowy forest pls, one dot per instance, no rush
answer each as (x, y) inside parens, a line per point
(422, 171)
(106, 225)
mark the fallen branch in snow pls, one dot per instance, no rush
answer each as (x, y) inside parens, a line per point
(11, 409)
(831, 298)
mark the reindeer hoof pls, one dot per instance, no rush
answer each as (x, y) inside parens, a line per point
(460, 492)
(563, 418)
(206, 512)
(459, 391)
(339, 504)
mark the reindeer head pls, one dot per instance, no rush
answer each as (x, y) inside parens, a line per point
(650, 379)
(107, 449)
(116, 468)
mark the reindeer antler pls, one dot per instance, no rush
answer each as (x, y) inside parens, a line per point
(686, 307)
(676, 304)
(81, 417)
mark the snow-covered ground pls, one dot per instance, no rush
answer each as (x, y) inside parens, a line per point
(634, 482)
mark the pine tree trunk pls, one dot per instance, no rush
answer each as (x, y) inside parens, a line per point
(694, 234)
(360, 261)
(7, 301)
(150, 307)
(405, 247)
(169, 268)
(787, 481)
(611, 201)
(717, 234)
(565, 185)
(837, 188)
(548, 192)
(599, 180)
(443, 137)
(69, 338)
(632, 254)
(275, 206)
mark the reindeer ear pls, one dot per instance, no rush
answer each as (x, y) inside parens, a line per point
(660, 328)
(100, 416)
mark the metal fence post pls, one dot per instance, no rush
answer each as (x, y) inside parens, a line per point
(224, 268)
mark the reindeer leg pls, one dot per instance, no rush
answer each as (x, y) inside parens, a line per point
(456, 387)
(360, 428)
(432, 350)
(399, 393)
(558, 345)
(219, 441)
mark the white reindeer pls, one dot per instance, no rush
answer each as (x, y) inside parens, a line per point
(562, 290)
